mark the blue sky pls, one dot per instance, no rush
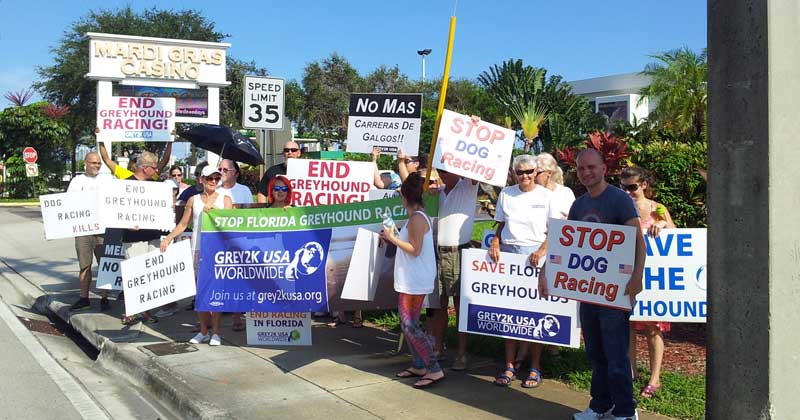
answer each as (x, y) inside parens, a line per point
(577, 39)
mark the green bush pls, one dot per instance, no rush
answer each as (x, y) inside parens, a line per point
(679, 184)
(18, 185)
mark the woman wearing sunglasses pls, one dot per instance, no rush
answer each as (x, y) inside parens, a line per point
(637, 182)
(210, 198)
(279, 192)
(522, 213)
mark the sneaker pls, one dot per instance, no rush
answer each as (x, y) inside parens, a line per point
(104, 305)
(215, 341)
(200, 338)
(590, 414)
(163, 313)
(81, 304)
(460, 363)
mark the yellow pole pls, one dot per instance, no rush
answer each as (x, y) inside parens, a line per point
(442, 97)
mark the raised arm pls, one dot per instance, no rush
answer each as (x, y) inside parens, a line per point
(165, 159)
(106, 158)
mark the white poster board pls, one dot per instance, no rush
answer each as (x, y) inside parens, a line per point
(590, 262)
(362, 278)
(475, 150)
(278, 329)
(136, 204)
(124, 118)
(380, 194)
(70, 214)
(325, 182)
(501, 299)
(674, 278)
(390, 121)
(263, 103)
(155, 279)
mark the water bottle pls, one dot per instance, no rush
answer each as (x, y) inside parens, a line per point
(388, 222)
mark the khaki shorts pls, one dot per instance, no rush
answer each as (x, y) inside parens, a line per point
(85, 248)
(450, 269)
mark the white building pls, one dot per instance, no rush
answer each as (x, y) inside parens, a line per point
(617, 96)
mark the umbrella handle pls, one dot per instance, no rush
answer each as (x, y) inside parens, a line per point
(220, 153)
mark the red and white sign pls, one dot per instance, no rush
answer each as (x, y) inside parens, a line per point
(123, 118)
(590, 262)
(325, 182)
(29, 155)
(475, 150)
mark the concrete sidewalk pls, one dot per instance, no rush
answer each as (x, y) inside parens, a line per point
(347, 374)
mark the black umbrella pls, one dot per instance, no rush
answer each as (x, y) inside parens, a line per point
(224, 141)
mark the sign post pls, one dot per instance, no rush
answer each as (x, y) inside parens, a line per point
(263, 103)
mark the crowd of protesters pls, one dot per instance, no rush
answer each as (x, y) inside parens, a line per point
(429, 254)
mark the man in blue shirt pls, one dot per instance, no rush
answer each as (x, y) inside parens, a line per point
(606, 331)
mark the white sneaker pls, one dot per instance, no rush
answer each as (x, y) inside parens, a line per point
(215, 340)
(590, 414)
(199, 338)
(163, 313)
(634, 417)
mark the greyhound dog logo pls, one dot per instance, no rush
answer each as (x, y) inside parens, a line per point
(307, 260)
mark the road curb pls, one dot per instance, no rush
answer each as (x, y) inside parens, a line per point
(140, 369)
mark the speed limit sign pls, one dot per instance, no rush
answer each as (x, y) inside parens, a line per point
(263, 103)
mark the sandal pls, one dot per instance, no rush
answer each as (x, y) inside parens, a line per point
(129, 320)
(533, 380)
(336, 322)
(650, 391)
(503, 379)
(358, 323)
(408, 373)
(426, 382)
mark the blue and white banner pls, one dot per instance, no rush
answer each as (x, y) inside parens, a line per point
(501, 299)
(263, 271)
(674, 278)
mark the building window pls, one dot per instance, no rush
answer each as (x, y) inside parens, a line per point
(614, 111)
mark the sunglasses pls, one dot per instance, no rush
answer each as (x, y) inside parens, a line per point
(213, 178)
(224, 170)
(278, 188)
(521, 172)
(410, 161)
(175, 175)
(290, 150)
(629, 187)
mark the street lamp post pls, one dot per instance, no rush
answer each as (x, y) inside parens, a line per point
(423, 53)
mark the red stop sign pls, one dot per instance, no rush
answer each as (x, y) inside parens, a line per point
(30, 155)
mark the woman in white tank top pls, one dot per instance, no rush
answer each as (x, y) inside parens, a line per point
(415, 277)
(209, 199)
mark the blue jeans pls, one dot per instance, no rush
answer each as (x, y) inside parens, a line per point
(606, 333)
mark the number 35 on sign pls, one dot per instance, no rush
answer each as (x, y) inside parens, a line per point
(263, 103)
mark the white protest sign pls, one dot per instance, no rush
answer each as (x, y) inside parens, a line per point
(380, 194)
(325, 182)
(501, 299)
(590, 262)
(71, 214)
(155, 279)
(124, 118)
(363, 278)
(674, 278)
(278, 329)
(109, 272)
(136, 204)
(475, 150)
(386, 120)
(263, 103)
(486, 240)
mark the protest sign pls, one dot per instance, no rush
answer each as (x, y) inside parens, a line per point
(475, 150)
(326, 182)
(362, 279)
(379, 194)
(155, 279)
(136, 204)
(385, 120)
(124, 118)
(278, 329)
(674, 278)
(590, 262)
(267, 232)
(70, 214)
(501, 299)
(486, 239)
(109, 272)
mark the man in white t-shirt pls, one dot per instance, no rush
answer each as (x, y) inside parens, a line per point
(85, 245)
(457, 199)
(230, 174)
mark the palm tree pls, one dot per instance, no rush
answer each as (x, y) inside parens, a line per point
(679, 86)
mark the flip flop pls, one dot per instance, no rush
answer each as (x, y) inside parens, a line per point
(533, 376)
(650, 391)
(408, 373)
(358, 323)
(503, 376)
(430, 382)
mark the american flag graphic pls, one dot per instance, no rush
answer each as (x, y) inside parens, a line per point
(626, 269)
(555, 259)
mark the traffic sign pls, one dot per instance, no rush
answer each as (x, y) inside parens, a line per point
(29, 155)
(31, 170)
(263, 103)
